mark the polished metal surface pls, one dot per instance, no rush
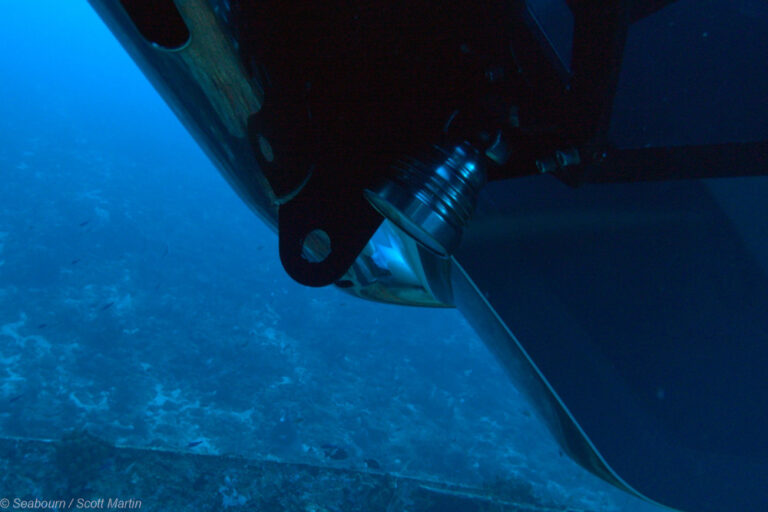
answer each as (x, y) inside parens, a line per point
(432, 200)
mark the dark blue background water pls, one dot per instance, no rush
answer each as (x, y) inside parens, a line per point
(141, 300)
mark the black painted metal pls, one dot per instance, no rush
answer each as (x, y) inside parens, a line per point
(343, 214)
(561, 110)
(354, 87)
(600, 32)
(284, 127)
(736, 159)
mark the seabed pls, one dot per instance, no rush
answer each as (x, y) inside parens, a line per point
(81, 468)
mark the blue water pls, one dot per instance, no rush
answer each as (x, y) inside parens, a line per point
(142, 301)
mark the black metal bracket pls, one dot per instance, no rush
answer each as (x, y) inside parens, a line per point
(600, 33)
(374, 89)
(344, 216)
(611, 165)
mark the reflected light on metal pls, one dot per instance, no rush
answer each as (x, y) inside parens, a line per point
(432, 200)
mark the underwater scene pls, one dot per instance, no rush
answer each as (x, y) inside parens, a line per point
(155, 355)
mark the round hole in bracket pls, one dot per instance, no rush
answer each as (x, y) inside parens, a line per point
(266, 149)
(316, 246)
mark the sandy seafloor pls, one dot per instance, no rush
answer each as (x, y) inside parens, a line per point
(142, 301)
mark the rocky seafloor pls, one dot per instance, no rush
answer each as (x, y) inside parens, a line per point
(80, 471)
(155, 315)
